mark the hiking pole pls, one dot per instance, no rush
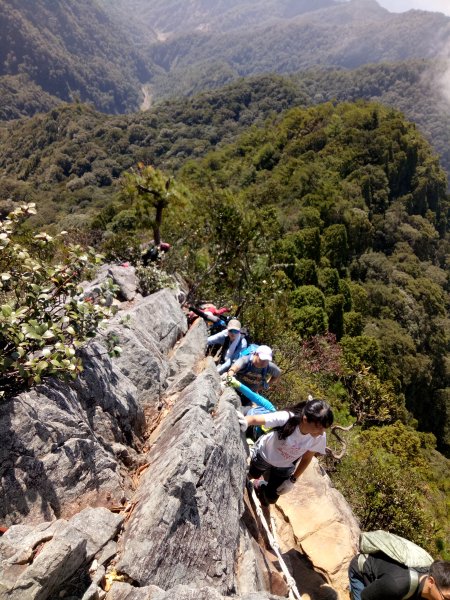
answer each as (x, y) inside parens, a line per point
(208, 316)
(251, 395)
(293, 591)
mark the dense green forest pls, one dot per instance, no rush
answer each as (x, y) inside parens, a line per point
(68, 159)
(71, 50)
(328, 227)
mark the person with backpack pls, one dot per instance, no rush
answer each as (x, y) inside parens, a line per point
(380, 577)
(233, 342)
(255, 369)
(283, 454)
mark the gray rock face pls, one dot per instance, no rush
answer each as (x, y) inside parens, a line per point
(185, 527)
(125, 278)
(35, 563)
(124, 591)
(191, 530)
(51, 456)
(188, 353)
(65, 445)
(160, 317)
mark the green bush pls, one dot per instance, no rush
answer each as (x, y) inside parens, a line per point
(151, 279)
(43, 318)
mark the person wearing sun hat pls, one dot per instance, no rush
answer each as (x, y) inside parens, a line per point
(232, 342)
(256, 370)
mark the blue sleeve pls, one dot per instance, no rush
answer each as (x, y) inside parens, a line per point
(256, 398)
(217, 338)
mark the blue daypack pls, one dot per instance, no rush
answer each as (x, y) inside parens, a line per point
(251, 349)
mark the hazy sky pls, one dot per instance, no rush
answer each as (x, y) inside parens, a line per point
(402, 5)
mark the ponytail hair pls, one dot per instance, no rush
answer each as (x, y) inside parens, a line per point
(315, 411)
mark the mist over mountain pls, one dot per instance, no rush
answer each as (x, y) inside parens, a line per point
(345, 35)
(71, 50)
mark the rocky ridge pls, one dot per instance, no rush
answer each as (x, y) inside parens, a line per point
(129, 483)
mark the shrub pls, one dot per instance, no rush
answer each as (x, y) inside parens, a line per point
(151, 279)
(43, 319)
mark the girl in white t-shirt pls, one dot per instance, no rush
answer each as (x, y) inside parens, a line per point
(284, 453)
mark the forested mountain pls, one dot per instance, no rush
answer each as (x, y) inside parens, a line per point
(66, 50)
(69, 158)
(169, 17)
(362, 247)
(347, 35)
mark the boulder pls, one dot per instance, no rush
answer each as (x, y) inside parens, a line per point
(36, 562)
(52, 460)
(64, 445)
(124, 276)
(158, 316)
(323, 526)
(124, 591)
(187, 354)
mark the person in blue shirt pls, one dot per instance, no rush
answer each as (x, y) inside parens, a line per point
(232, 342)
(256, 370)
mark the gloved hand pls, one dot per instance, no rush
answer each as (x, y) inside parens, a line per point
(232, 382)
(242, 421)
(285, 487)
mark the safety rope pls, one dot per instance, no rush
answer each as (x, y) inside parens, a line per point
(293, 591)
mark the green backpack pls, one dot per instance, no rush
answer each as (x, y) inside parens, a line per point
(399, 549)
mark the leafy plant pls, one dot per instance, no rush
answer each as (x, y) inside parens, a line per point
(43, 317)
(151, 279)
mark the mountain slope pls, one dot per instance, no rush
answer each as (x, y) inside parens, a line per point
(347, 34)
(171, 17)
(68, 158)
(70, 50)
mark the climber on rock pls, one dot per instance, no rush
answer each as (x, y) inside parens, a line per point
(381, 577)
(283, 454)
(255, 370)
(154, 253)
(232, 342)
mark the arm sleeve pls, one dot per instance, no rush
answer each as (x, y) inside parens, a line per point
(223, 368)
(276, 419)
(240, 363)
(217, 338)
(274, 371)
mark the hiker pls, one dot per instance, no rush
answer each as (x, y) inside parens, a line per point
(382, 578)
(255, 370)
(283, 453)
(154, 253)
(232, 342)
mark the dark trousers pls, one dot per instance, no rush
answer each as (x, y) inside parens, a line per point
(273, 475)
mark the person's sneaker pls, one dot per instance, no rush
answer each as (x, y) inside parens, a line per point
(259, 486)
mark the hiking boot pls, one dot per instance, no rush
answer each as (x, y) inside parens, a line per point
(259, 486)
